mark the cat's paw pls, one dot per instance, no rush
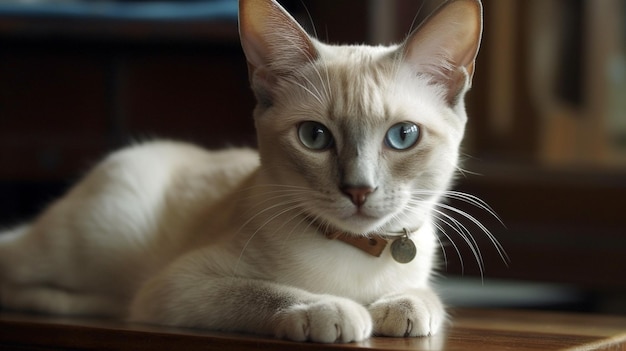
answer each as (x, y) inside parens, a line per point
(327, 320)
(419, 313)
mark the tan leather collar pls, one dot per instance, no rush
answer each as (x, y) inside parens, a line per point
(403, 249)
(373, 245)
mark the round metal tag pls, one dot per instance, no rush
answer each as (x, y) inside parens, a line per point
(403, 250)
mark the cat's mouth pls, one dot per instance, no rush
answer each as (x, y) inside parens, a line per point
(361, 218)
(357, 220)
(359, 213)
(357, 223)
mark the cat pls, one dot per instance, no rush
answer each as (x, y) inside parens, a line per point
(325, 234)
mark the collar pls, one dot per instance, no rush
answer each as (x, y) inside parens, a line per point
(403, 249)
(372, 244)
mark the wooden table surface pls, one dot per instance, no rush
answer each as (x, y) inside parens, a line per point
(470, 329)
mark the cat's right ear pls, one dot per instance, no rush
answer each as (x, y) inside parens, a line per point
(274, 43)
(445, 46)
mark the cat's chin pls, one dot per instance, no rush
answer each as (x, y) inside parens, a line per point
(360, 224)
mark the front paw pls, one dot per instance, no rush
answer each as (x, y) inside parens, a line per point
(419, 313)
(327, 320)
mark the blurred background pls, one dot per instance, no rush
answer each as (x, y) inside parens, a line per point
(545, 145)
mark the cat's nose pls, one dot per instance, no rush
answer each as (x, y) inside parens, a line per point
(358, 195)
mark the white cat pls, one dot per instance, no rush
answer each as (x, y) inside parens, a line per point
(326, 234)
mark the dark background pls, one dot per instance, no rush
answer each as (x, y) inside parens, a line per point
(74, 88)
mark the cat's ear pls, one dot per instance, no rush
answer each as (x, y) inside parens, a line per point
(271, 39)
(445, 46)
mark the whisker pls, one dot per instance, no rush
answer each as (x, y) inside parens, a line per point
(308, 80)
(330, 91)
(413, 205)
(277, 186)
(465, 172)
(265, 210)
(293, 81)
(457, 195)
(301, 214)
(413, 23)
(443, 212)
(326, 87)
(267, 221)
(317, 94)
(325, 84)
(473, 200)
(467, 198)
(276, 195)
(443, 250)
(272, 218)
(323, 225)
(308, 13)
(465, 234)
(484, 229)
(454, 245)
(272, 188)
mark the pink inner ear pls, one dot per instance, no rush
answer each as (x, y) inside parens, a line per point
(446, 44)
(251, 28)
(271, 38)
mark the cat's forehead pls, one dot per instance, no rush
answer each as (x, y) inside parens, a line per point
(357, 79)
(372, 85)
(364, 88)
(352, 53)
(357, 61)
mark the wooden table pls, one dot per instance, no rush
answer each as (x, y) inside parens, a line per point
(470, 329)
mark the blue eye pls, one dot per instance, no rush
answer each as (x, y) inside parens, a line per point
(315, 136)
(402, 136)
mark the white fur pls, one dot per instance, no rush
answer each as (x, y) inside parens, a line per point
(169, 233)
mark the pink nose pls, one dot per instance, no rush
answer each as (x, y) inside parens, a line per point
(358, 195)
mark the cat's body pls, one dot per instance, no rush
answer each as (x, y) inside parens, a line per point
(132, 215)
(355, 139)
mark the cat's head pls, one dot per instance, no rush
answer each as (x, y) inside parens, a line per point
(369, 136)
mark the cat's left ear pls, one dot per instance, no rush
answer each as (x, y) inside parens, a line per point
(272, 39)
(445, 46)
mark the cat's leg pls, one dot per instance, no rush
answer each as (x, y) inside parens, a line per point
(38, 277)
(18, 264)
(252, 306)
(25, 282)
(416, 312)
(52, 300)
(24, 256)
(8, 243)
